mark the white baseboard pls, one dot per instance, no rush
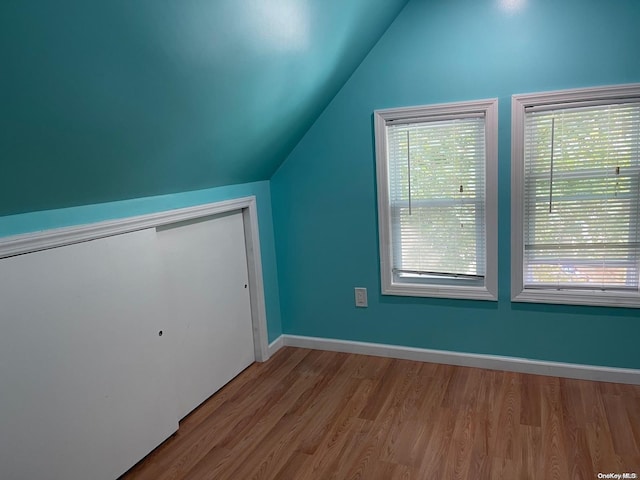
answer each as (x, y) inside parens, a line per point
(276, 345)
(492, 362)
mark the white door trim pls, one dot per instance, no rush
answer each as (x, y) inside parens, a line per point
(44, 240)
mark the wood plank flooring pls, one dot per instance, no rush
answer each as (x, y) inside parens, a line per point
(308, 414)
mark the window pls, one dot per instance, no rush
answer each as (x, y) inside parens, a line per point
(576, 197)
(437, 200)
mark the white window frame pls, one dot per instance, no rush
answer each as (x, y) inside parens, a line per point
(549, 295)
(488, 290)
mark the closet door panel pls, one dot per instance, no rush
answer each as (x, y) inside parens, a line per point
(207, 282)
(87, 382)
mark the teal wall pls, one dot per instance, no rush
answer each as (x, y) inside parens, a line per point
(42, 220)
(116, 99)
(110, 109)
(324, 199)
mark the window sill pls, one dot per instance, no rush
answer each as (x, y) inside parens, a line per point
(572, 297)
(439, 291)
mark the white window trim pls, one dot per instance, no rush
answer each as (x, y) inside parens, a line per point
(538, 295)
(488, 291)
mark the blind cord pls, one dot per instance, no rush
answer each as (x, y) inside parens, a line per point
(409, 168)
(553, 130)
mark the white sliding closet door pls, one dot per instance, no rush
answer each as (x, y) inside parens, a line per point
(207, 282)
(86, 381)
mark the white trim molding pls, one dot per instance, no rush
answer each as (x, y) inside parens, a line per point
(276, 345)
(476, 360)
(47, 239)
(549, 101)
(58, 237)
(487, 287)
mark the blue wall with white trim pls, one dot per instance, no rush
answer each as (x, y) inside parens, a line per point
(119, 108)
(324, 197)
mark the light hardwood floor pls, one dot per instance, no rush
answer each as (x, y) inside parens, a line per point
(308, 414)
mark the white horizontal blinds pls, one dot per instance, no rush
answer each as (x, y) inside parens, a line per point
(436, 194)
(582, 197)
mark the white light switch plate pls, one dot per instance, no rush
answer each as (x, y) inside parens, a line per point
(361, 296)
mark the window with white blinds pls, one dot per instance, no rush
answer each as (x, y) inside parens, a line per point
(432, 172)
(581, 197)
(436, 194)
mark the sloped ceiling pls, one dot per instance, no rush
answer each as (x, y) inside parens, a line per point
(107, 100)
